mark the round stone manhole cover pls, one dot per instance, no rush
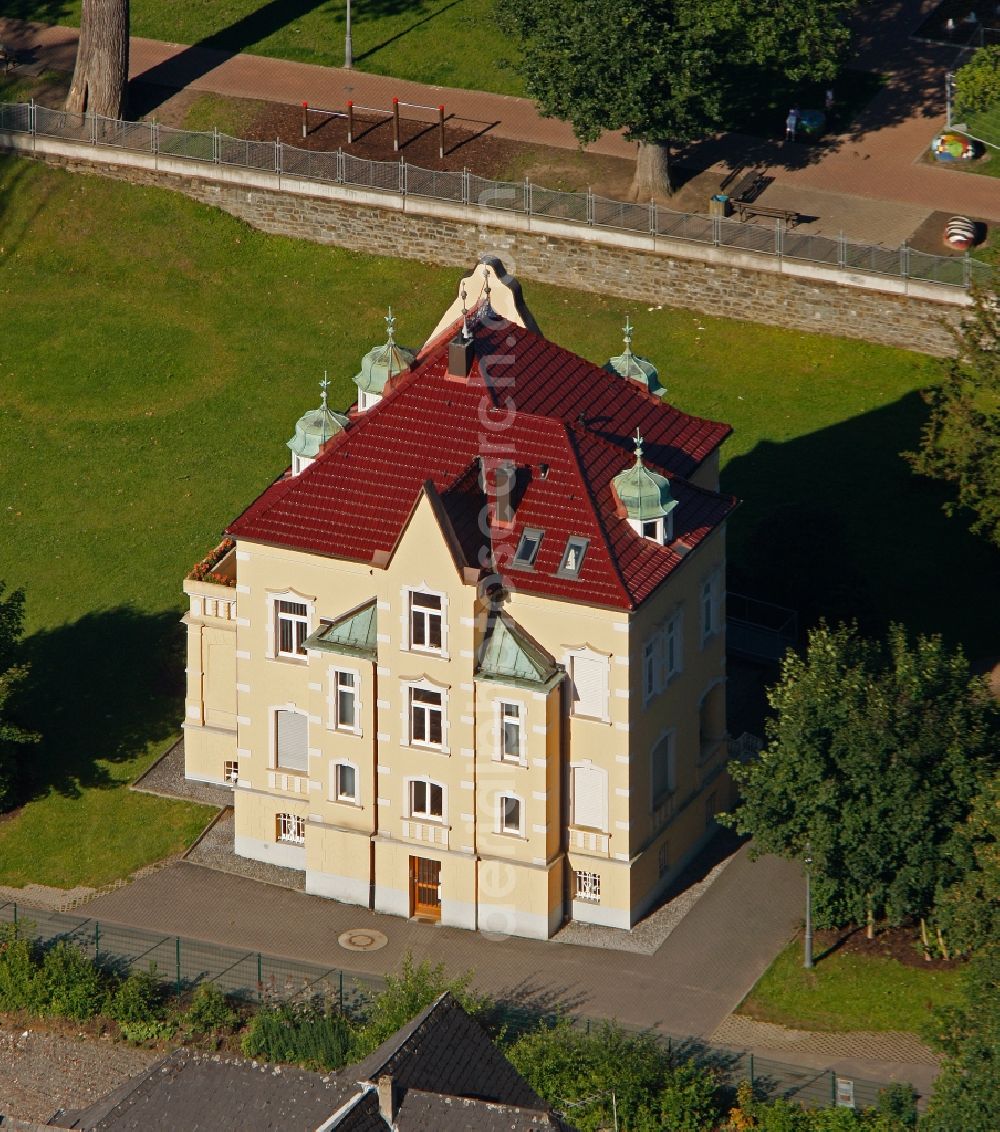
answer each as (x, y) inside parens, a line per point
(362, 939)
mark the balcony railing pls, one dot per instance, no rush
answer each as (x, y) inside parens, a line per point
(583, 840)
(426, 832)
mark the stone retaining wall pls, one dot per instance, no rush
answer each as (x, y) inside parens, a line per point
(713, 280)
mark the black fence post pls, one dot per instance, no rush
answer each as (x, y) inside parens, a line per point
(340, 993)
(751, 1071)
(97, 942)
(177, 961)
(260, 978)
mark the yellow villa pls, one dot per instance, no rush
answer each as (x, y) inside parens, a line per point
(465, 659)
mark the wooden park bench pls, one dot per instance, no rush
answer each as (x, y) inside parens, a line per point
(748, 187)
(748, 208)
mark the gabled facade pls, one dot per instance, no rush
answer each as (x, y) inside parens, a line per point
(469, 662)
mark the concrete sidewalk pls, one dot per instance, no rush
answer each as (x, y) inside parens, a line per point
(689, 988)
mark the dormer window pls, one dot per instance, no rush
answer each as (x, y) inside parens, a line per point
(658, 530)
(367, 401)
(527, 547)
(573, 556)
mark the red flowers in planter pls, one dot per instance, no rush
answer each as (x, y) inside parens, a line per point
(204, 571)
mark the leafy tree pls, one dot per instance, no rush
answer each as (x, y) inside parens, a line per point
(100, 77)
(12, 674)
(665, 70)
(579, 1072)
(960, 443)
(967, 1092)
(977, 84)
(968, 911)
(874, 754)
(415, 987)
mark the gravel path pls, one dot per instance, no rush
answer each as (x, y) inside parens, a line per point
(215, 851)
(42, 1072)
(166, 778)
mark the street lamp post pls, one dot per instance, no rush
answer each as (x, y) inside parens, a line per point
(807, 961)
(949, 79)
(348, 50)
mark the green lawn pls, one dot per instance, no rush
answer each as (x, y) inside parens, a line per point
(442, 42)
(155, 356)
(848, 992)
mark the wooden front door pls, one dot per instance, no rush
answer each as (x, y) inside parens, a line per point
(425, 888)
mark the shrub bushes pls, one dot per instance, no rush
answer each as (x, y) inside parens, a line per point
(210, 1011)
(70, 986)
(138, 999)
(302, 1033)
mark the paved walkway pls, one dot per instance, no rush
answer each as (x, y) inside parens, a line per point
(880, 159)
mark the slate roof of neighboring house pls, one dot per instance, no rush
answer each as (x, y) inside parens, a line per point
(567, 424)
(198, 1093)
(444, 1050)
(448, 1075)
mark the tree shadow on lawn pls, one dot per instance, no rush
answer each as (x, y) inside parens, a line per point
(101, 688)
(200, 58)
(835, 524)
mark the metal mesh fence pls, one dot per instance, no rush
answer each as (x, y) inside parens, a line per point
(135, 136)
(751, 237)
(438, 183)
(558, 205)
(252, 976)
(311, 164)
(467, 188)
(192, 144)
(511, 196)
(249, 154)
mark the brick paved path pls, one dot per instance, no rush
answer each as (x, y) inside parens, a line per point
(878, 160)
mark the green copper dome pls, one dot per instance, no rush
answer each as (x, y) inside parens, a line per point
(635, 368)
(644, 494)
(315, 428)
(383, 362)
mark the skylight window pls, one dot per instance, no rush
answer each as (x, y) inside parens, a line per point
(527, 548)
(572, 560)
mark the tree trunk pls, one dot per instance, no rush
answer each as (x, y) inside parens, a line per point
(942, 945)
(101, 74)
(924, 940)
(652, 171)
(870, 932)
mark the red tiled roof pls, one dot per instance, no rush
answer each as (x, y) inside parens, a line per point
(566, 423)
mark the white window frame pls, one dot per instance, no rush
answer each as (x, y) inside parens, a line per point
(424, 685)
(367, 400)
(502, 827)
(300, 463)
(230, 771)
(651, 666)
(500, 721)
(333, 700)
(657, 800)
(336, 795)
(710, 606)
(580, 545)
(587, 653)
(289, 829)
(424, 815)
(673, 630)
(587, 886)
(408, 605)
(271, 651)
(296, 710)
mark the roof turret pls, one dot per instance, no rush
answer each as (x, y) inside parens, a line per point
(383, 362)
(315, 428)
(645, 495)
(634, 367)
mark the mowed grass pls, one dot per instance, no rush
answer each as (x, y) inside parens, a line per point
(442, 42)
(155, 356)
(848, 992)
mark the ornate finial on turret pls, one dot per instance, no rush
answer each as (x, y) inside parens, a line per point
(390, 327)
(638, 445)
(627, 331)
(486, 285)
(466, 332)
(324, 385)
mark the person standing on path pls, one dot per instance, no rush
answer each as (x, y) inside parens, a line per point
(791, 124)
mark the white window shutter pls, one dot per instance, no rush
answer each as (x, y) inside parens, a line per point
(293, 740)
(589, 685)
(589, 797)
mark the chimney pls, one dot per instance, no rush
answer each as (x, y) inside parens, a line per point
(460, 357)
(505, 479)
(388, 1100)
